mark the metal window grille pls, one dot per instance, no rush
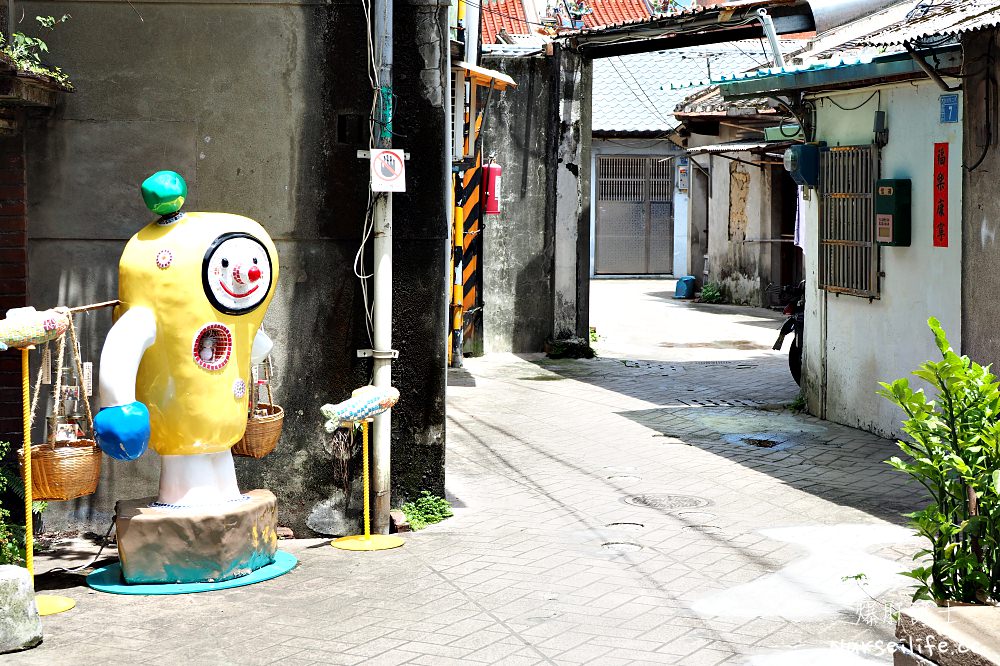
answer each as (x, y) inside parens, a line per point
(848, 253)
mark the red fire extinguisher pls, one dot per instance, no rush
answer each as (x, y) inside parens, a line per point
(491, 188)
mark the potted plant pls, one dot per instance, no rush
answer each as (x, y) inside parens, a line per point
(952, 448)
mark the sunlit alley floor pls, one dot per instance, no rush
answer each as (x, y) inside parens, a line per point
(659, 504)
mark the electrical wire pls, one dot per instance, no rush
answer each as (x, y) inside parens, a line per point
(990, 85)
(104, 543)
(638, 86)
(855, 108)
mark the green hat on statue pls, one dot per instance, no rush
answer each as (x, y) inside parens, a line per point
(164, 192)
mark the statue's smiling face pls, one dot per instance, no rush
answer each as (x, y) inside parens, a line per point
(236, 273)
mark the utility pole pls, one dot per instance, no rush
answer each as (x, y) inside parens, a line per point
(382, 307)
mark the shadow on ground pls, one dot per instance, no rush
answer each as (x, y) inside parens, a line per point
(720, 408)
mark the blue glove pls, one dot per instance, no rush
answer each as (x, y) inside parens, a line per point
(123, 431)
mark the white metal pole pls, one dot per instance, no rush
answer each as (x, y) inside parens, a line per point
(382, 306)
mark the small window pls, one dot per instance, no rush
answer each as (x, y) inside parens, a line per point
(848, 253)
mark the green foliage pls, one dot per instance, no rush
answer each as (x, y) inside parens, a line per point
(26, 51)
(594, 337)
(11, 536)
(799, 404)
(426, 510)
(953, 450)
(711, 292)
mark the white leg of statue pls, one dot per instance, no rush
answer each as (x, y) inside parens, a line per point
(225, 474)
(206, 478)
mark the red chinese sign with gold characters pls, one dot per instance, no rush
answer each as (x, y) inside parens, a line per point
(940, 195)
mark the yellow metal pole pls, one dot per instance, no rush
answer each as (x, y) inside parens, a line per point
(48, 604)
(366, 481)
(29, 546)
(366, 541)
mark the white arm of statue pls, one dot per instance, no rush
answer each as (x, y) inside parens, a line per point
(262, 346)
(127, 341)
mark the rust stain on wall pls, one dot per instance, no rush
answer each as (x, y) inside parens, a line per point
(739, 190)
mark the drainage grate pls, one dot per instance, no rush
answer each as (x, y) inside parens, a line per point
(666, 502)
(718, 402)
(773, 441)
(760, 443)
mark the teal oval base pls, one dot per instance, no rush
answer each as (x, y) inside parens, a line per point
(109, 579)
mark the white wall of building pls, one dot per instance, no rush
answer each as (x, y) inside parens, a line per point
(643, 147)
(850, 343)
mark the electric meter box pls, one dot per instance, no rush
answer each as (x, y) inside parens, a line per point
(802, 164)
(892, 212)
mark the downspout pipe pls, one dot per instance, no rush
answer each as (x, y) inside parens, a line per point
(767, 23)
(929, 70)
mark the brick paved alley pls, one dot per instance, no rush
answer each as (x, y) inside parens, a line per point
(659, 504)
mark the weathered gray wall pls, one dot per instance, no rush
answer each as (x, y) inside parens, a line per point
(981, 208)
(739, 218)
(537, 253)
(518, 243)
(256, 104)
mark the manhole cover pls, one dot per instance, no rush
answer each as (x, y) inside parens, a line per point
(703, 529)
(621, 547)
(696, 517)
(628, 527)
(666, 502)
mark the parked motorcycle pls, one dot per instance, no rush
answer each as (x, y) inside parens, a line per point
(795, 308)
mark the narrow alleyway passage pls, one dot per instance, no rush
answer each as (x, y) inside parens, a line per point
(659, 504)
(639, 515)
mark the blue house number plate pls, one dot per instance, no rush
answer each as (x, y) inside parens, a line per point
(949, 108)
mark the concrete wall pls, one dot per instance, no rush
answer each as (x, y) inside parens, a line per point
(662, 148)
(260, 106)
(536, 253)
(981, 211)
(850, 343)
(739, 217)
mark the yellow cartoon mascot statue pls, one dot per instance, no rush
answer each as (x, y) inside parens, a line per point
(175, 375)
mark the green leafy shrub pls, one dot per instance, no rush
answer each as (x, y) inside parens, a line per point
(426, 510)
(953, 450)
(711, 292)
(26, 51)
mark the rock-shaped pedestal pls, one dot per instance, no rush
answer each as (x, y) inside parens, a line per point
(196, 544)
(20, 626)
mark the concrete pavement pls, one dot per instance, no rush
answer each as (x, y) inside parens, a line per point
(659, 504)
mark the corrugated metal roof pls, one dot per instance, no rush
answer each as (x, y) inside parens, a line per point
(710, 102)
(940, 18)
(503, 15)
(742, 147)
(633, 94)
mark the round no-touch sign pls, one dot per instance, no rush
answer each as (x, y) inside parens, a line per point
(388, 170)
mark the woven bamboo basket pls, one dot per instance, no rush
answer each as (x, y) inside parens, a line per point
(262, 433)
(65, 471)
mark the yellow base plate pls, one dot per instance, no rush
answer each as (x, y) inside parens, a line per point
(362, 542)
(50, 604)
